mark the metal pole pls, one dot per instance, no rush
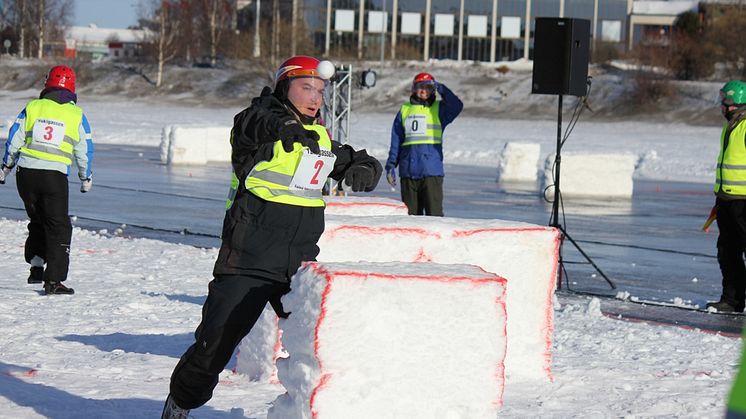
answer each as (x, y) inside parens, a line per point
(595, 23)
(383, 29)
(427, 32)
(293, 27)
(460, 30)
(527, 30)
(493, 32)
(394, 17)
(360, 31)
(257, 48)
(562, 8)
(328, 27)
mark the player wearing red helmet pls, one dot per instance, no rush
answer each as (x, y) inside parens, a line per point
(281, 158)
(49, 133)
(417, 145)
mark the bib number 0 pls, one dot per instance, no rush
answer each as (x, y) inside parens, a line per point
(313, 169)
(415, 125)
(48, 132)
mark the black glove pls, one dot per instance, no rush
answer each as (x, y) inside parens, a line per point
(291, 131)
(360, 178)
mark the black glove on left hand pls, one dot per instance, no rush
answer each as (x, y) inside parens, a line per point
(291, 131)
(360, 178)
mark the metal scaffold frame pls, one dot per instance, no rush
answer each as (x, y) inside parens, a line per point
(337, 104)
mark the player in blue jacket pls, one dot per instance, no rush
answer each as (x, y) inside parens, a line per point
(417, 145)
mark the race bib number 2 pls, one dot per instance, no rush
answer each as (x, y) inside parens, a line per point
(415, 125)
(313, 170)
(48, 132)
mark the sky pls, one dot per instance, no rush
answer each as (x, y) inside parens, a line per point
(106, 13)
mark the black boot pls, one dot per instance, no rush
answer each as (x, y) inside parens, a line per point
(37, 275)
(725, 307)
(172, 411)
(57, 288)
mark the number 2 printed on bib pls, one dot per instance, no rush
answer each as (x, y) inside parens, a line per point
(312, 171)
(48, 132)
(415, 126)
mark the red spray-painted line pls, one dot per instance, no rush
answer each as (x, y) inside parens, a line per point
(549, 314)
(382, 230)
(466, 233)
(274, 378)
(364, 204)
(328, 277)
(324, 378)
(626, 318)
(28, 373)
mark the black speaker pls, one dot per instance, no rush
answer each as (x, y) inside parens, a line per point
(561, 56)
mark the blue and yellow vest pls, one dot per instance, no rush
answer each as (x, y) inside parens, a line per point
(51, 130)
(730, 176)
(270, 180)
(414, 132)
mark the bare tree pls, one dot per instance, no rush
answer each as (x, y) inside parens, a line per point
(161, 24)
(215, 17)
(36, 22)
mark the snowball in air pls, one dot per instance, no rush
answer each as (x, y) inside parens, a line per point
(326, 69)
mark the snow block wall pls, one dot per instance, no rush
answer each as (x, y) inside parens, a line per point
(396, 340)
(608, 175)
(526, 255)
(195, 145)
(260, 350)
(519, 163)
(363, 205)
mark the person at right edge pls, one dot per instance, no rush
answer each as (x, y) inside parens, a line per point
(730, 202)
(737, 400)
(417, 145)
(281, 158)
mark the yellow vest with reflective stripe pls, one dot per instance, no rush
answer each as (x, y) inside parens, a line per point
(55, 116)
(434, 131)
(270, 180)
(730, 176)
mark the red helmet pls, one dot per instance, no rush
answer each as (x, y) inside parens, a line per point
(423, 77)
(61, 76)
(298, 66)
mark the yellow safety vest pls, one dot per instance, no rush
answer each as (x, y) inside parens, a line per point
(270, 180)
(51, 130)
(730, 176)
(414, 116)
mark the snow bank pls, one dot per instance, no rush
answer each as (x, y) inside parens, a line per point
(195, 145)
(608, 175)
(390, 341)
(524, 254)
(519, 163)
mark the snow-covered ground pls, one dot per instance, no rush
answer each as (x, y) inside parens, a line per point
(108, 351)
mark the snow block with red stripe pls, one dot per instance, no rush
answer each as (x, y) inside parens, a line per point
(395, 340)
(526, 255)
(363, 205)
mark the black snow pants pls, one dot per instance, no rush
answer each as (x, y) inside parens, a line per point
(45, 195)
(731, 219)
(234, 304)
(423, 196)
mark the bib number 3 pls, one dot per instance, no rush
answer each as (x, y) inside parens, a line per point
(48, 132)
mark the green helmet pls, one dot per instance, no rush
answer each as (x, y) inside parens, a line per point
(733, 93)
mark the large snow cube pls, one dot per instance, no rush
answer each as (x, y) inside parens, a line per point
(395, 340)
(526, 255)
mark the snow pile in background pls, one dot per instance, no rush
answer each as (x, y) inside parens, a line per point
(363, 206)
(605, 175)
(518, 163)
(392, 340)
